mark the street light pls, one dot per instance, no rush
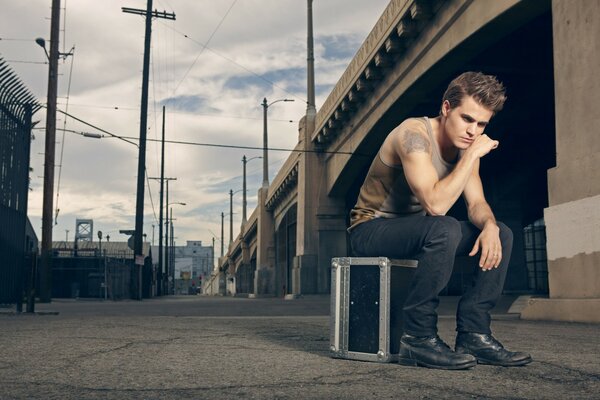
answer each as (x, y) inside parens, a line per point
(265, 140)
(231, 193)
(49, 153)
(222, 236)
(244, 203)
(167, 270)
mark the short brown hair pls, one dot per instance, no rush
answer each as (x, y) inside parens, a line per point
(485, 89)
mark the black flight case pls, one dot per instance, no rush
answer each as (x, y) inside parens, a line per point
(367, 295)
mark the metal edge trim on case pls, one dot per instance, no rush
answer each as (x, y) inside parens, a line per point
(384, 309)
(332, 313)
(336, 304)
(344, 329)
(354, 355)
(362, 260)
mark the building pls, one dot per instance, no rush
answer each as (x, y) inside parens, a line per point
(193, 262)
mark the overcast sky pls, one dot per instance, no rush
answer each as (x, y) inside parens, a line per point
(256, 49)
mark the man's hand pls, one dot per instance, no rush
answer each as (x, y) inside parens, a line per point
(482, 145)
(491, 247)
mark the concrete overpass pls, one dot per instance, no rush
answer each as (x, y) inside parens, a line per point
(543, 181)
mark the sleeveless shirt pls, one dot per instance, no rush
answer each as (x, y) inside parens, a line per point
(385, 192)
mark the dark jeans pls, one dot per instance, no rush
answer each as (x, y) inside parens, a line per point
(434, 242)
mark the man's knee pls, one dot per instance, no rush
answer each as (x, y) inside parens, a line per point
(448, 227)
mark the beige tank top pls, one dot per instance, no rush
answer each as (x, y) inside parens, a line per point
(385, 192)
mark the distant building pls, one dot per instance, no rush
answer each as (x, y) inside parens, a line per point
(198, 259)
(193, 262)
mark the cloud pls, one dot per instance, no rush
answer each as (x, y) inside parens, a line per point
(340, 47)
(212, 95)
(189, 103)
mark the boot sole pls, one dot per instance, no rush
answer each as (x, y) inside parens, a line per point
(417, 363)
(519, 363)
(485, 361)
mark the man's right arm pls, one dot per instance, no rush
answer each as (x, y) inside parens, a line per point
(436, 196)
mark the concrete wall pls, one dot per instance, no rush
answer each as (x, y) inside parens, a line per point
(573, 217)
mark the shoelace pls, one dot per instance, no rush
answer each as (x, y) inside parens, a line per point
(495, 342)
(440, 343)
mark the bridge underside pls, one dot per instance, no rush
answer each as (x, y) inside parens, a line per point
(514, 176)
(540, 180)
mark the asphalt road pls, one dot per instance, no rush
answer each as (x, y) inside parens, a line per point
(224, 348)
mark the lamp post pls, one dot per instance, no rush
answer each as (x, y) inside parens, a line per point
(100, 241)
(167, 256)
(231, 193)
(244, 202)
(223, 215)
(265, 140)
(49, 152)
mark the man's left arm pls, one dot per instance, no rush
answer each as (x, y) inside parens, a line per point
(481, 215)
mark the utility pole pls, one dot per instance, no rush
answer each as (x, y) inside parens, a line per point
(311, 109)
(161, 272)
(222, 239)
(162, 261)
(230, 216)
(166, 275)
(172, 255)
(49, 150)
(244, 203)
(139, 209)
(213, 254)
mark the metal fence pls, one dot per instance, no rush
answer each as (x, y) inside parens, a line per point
(17, 106)
(92, 277)
(535, 256)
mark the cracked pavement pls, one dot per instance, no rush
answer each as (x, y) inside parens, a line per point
(199, 347)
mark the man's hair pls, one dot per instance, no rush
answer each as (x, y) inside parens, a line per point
(485, 89)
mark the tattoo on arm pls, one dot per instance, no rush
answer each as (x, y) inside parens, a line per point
(414, 142)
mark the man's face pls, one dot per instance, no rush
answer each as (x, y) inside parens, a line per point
(465, 122)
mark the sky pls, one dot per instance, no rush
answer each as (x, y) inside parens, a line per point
(210, 68)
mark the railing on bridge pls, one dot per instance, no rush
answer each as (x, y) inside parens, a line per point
(17, 106)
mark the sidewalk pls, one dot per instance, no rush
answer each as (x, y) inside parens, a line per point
(221, 347)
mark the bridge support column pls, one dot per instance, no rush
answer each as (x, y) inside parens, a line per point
(264, 279)
(221, 284)
(572, 219)
(305, 266)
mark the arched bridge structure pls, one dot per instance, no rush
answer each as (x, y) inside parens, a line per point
(543, 181)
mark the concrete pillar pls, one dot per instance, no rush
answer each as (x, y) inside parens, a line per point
(264, 279)
(304, 274)
(243, 284)
(321, 225)
(573, 216)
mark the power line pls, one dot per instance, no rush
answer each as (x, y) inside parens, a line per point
(231, 146)
(62, 145)
(129, 108)
(93, 126)
(150, 194)
(16, 39)
(26, 62)
(126, 139)
(204, 47)
(226, 146)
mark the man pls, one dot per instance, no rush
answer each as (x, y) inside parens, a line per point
(422, 168)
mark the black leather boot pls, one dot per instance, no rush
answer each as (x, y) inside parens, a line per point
(431, 352)
(488, 350)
